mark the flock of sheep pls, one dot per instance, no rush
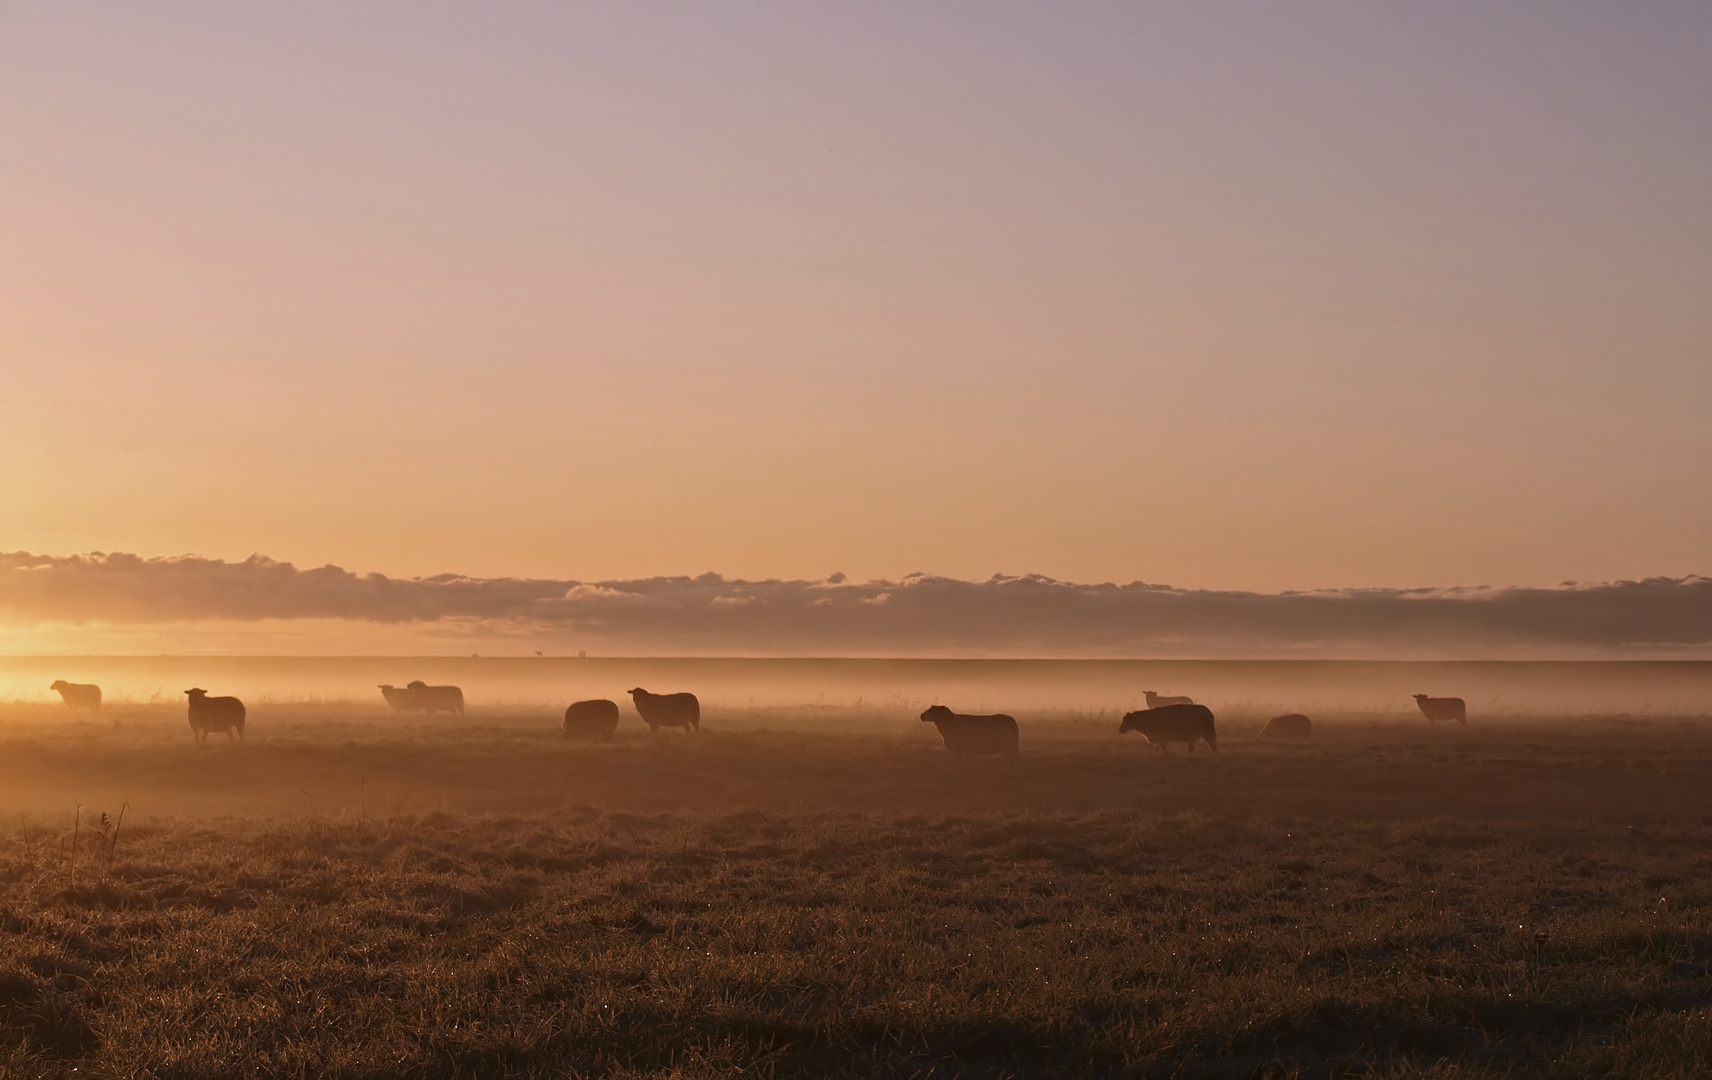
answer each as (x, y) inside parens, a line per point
(583, 719)
(1165, 720)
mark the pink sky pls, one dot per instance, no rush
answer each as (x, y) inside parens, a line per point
(1213, 295)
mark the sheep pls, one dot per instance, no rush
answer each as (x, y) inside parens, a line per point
(432, 699)
(1154, 701)
(964, 734)
(591, 719)
(214, 714)
(78, 695)
(1442, 708)
(401, 700)
(667, 710)
(1293, 726)
(1184, 723)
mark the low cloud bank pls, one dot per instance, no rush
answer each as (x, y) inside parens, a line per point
(917, 615)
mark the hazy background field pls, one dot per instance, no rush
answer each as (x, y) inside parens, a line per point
(1237, 687)
(845, 733)
(342, 761)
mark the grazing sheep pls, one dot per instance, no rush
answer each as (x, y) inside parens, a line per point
(1184, 723)
(401, 700)
(1293, 726)
(1442, 708)
(963, 734)
(591, 719)
(215, 714)
(78, 695)
(433, 699)
(667, 710)
(1154, 701)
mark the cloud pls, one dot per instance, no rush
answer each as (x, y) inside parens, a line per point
(917, 615)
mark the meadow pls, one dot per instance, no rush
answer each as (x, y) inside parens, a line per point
(803, 891)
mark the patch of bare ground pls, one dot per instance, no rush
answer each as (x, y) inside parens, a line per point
(1383, 902)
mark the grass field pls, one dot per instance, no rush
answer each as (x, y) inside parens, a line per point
(826, 893)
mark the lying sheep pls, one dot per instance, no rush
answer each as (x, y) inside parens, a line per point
(596, 719)
(1293, 726)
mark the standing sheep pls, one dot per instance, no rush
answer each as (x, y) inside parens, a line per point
(1155, 701)
(214, 714)
(78, 695)
(432, 699)
(967, 734)
(667, 710)
(1187, 723)
(401, 700)
(1442, 708)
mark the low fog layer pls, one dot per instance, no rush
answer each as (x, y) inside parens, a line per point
(917, 615)
(891, 690)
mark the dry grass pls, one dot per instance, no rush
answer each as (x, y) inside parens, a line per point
(486, 900)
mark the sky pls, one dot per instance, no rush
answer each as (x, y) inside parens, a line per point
(1220, 296)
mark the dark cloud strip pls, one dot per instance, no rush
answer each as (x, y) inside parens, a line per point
(1004, 615)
